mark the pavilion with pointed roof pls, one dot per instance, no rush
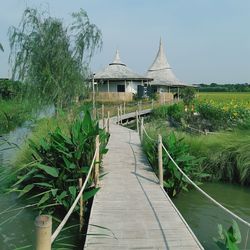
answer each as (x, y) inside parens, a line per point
(117, 77)
(162, 73)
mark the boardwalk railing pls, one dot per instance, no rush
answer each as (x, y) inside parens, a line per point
(43, 223)
(160, 176)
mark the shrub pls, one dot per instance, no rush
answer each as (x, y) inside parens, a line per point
(176, 112)
(59, 160)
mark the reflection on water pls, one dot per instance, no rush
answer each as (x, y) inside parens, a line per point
(203, 216)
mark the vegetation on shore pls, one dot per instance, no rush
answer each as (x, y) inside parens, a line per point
(58, 161)
(225, 155)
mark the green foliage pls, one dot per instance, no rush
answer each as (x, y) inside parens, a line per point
(58, 162)
(221, 116)
(176, 113)
(53, 58)
(11, 89)
(188, 95)
(174, 181)
(228, 239)
(13, 113)
(226, 155)
(160, 112)
(214, 87)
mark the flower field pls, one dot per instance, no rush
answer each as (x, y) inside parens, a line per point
(223, 109)
(231, 98)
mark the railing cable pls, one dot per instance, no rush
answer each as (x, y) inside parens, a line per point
(197, 187)
(64, 221)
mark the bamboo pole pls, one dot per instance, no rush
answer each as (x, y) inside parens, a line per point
(137, 121)
(43, 224)
(142, 124)
(160, 167)
(97, 161)
(124, 108)
(118, 115)
(108, 121)
(103, 122)
(81, 219)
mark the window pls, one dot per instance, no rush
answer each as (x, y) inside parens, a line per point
(120, 88)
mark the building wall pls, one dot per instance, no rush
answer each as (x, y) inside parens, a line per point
(130, 86)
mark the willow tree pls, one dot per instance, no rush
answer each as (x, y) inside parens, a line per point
(51, 57)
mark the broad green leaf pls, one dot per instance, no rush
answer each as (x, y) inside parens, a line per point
(26, 189)
(89, 194)
(49, 170)
(44, 199)
(236, 232)
(73, 190)
(43, 184)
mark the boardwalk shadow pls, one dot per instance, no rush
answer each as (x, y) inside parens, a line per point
(145, 178)
(145, 193)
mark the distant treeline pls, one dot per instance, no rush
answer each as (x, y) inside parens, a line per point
(214, 87)
(11, 89)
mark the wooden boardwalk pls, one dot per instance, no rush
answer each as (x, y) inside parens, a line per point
(131, 203)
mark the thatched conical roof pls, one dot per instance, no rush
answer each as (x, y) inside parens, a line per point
(161, 71)
(117, 70)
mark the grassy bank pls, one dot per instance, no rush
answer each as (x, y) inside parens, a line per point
(225, 156)
(13, 113)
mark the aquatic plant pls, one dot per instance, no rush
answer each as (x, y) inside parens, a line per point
(174, 181)
(228, 239)
(59, 160)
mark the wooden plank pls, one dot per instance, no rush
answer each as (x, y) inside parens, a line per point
(131, 203)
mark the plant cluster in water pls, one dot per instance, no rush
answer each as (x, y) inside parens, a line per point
(228, 239)
(59, 160)
(174, 181)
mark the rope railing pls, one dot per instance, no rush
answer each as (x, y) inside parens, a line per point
(44, 222)
(194, 184)
(64, 221)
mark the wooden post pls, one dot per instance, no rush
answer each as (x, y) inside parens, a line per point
(97, 161)
(43, 224)
(142, 124)
(160, 167)
(137, 121)
(81, 219)
(121, 110)
(103, 122)
(108, 121)
(118, 115)
(96, 113)
(124, 108)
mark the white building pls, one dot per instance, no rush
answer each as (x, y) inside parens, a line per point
(117, 77)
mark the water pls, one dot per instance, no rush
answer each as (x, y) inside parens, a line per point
(203, 216)
(17, 230)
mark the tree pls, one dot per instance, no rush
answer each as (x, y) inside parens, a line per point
(51, 58)
(188, 95)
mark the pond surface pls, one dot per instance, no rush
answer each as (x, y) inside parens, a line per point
(17, 229)
(203, 216)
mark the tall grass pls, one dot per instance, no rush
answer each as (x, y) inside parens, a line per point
(226, 155)
(42, 128)
(13, 113)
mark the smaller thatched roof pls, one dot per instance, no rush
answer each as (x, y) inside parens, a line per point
(161, 71)
(118, 71)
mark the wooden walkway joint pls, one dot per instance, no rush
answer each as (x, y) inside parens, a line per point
(131, 204)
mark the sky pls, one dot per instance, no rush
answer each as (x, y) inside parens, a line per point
(205, 40)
